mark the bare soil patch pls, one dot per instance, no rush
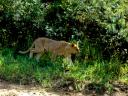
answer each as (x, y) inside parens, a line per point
(9, 89)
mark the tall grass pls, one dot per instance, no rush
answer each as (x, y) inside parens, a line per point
(46, 73)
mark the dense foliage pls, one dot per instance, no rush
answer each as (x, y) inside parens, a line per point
(102, 23)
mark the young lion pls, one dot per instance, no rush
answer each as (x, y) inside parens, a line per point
(56, 48)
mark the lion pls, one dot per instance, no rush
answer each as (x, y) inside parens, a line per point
(56, 48)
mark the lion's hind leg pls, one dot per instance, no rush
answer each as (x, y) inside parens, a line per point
(31, 52)
(38, 55)
(37, 52)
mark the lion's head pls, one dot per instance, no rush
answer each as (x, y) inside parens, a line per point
(73, 48)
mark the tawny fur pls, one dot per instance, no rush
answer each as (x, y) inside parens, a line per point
(57, 48)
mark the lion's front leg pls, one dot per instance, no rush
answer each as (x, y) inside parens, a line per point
(68, 59)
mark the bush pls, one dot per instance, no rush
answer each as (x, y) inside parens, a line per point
(21, 19)
(103, 24)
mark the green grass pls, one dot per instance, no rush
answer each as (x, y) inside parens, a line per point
(25, 71)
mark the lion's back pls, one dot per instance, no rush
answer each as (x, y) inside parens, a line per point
(54, 46)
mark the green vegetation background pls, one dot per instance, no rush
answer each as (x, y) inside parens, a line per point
(101, 26)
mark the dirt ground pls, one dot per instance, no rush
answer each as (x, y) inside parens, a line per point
(9, 89)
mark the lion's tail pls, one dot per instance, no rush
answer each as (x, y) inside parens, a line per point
(24, 52)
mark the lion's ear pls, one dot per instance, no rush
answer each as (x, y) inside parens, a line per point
(72, 45)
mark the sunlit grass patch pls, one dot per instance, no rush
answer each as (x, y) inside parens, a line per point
(124, 74)
(47, 72)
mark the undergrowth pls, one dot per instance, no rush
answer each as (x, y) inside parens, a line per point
(56, 74)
